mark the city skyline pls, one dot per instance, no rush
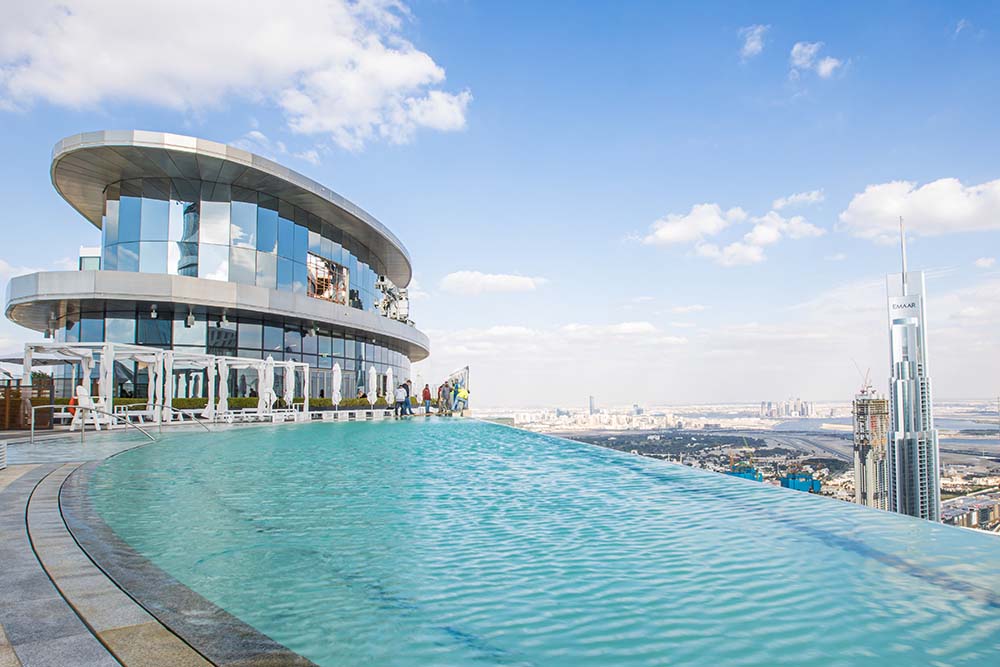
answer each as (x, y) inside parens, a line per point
(711, 230)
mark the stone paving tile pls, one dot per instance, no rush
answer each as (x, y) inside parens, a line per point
(7, 656)
(36, 620)
(10, 473)
(150, 644)
(81, 650)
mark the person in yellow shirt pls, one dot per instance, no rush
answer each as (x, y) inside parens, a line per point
(463, 399)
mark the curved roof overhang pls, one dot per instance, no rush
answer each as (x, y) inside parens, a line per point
(83, 165)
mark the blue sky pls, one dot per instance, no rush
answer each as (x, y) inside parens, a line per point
(601, 178)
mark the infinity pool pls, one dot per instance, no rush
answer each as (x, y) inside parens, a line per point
(461, 542)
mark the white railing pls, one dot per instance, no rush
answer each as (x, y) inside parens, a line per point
(83, 421)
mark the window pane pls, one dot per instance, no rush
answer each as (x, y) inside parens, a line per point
(154, 332)
(273, 338)
(110, 259)
(121, 329)
(299, 278)
(182, 259)
(128, 256)
(153, 257)
(338, 346)
(92, 330)
(310, 344)
(315, 243)
(286, 276)
(242, 266)
(243, 225)
(129, 209)
(155, 209)
(286, 237)
(267, 270)
(221, 337)
(293, 339)
(250, 334)
(301, 247)
(185, 197)
(109, 226)
(267, 224)
(71, 333)
(214, 221)
(325, 345)
(185, 335)
(213, 262)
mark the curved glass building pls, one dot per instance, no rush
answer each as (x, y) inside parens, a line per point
(211, 248)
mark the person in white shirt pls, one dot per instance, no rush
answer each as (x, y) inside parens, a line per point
(401, 400)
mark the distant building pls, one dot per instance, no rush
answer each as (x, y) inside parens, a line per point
(871, 440)
(914, 476)
(801, 481)
(593, 405)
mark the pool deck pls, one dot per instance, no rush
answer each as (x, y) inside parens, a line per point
(58, 607)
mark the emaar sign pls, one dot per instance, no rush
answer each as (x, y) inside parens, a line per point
(901, 307)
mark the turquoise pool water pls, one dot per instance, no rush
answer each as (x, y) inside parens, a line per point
(467, 543)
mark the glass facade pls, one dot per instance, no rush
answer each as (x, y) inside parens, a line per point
(255, 337)
(218, 231)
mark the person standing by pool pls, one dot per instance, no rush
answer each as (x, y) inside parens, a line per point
(401, 398)
(462, 399)
(427, 399)
(444, 395)
(408, 385)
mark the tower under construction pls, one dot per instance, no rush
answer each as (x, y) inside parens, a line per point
(871, 440)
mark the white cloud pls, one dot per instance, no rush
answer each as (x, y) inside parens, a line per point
(683, 325)
(703, 220)
(804, 53)
(475, 282)
(943, 206)
(334, 67)
(692, 308)
(798, 199)
(836, 257)
(963, 24)
(826, 67)
(805, 57)
(734, 254)
(753, 40)
(641, 299)
(985, 262)
(311, 156)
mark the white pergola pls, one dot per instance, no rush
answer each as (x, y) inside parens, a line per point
(162, 366)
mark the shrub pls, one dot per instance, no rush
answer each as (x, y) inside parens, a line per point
(380, 402)
(189, 403)
(320, 402)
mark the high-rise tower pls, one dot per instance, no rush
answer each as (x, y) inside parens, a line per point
(871, 439)
(914, 478)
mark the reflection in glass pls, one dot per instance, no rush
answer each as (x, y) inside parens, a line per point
(155, 209)
(214, 219)
(189, 335)
(109, 225)
(92, 330)
(293, 339)
(154, 332)
(182, 259)
(128, 256)
(243, 218)
(153, 257)
(250, 334)
(213, 262)
(286, 276)
(242, 266)
(129, 211)
(286, 237)
(274, 337)
(267, 270)
(222, 337)
(120, 329)
(267, 224)
(299, 278)
(301, 244)
(327, 280)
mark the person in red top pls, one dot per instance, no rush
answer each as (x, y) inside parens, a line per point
(427, 399)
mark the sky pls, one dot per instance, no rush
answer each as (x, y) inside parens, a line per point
(645, 202)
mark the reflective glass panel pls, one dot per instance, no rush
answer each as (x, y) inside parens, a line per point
(267, 224)
(267, 270)
(109, 227)
(242, 266)
(155, 209)
(299, 278)
(273, 338)
(120, 329)
(286, 277)
(185, 197)
(213, 262)
(182, 259)
(243, 221)
(221, 337)
(129, 211)
(214, 220)
(153, 256)
(301, 244)
(92, 330)
(286, 237)
(310, 344)
(110, 259)
(293, 339)
(250, 334)
(128, 256)
(154, 332)
(189, 335)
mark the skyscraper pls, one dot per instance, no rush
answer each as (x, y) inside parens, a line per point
(914, 478)
(593, 406)
(871, 439)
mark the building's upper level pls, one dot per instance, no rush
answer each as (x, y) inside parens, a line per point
(178, 205)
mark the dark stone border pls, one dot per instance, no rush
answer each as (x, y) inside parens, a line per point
(215, 633)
